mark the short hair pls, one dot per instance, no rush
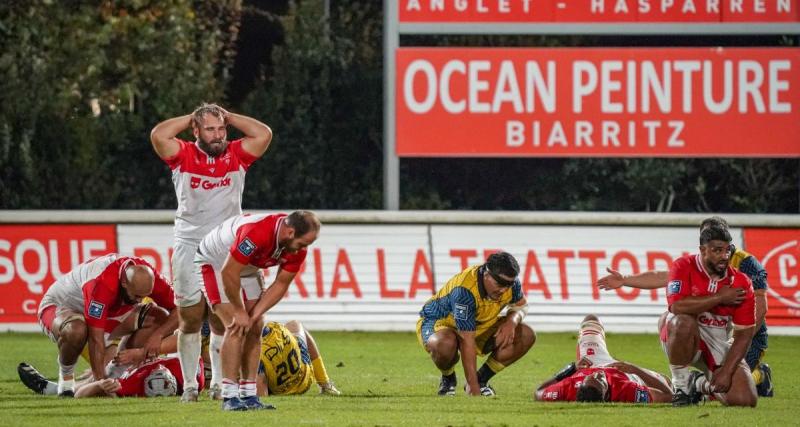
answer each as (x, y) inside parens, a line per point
(714, 220)
(303, 222)
(588, 393)
(503, 263)
(715, 232)
(205, 108)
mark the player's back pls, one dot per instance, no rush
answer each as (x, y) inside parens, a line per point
(68, 289)
(216, 245)
(284, 364)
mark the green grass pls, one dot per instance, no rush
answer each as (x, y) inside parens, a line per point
(387, 379)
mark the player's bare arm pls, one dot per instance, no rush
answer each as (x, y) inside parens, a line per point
(469, 355)
(722, 379)
(232, 283)
(152, 347)
(97, 350)
(645, 280)
(565, 372)
(272, 294)
(257, 135)
(650, 378)
(163, 135)
(727, 295)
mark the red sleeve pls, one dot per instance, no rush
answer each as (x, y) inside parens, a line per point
(245, 159)
(634, 393)
(99, 295)
(679, 285)
(175, 161)
(162, 292)
(294, 261)
(558, 391)
(249, 239)
(744, 315)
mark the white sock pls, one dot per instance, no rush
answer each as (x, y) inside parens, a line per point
(680, 377)
(230, 389)
(66, 377)
(214, 347)
(189, 356)
(247, 388)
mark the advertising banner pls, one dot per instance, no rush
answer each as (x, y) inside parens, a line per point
(779, 252)
(601, 102)
(32, 257)
(594, 11)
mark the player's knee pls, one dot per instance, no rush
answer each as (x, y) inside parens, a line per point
(748, 398)
(190, 320)
(683, 325)
(294, 326)
(155, 316)
(527, 336)
(73, 333)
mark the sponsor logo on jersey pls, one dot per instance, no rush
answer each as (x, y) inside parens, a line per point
(246, 247)
(674, 287)
(460, 312)
(96, 309)
(713, 322)
(642, 396)
(206, 184)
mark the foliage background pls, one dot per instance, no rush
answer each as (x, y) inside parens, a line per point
(84, 81)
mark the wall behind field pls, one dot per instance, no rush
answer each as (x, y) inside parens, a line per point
(373, 270)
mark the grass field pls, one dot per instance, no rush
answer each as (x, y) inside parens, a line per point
(387, 380)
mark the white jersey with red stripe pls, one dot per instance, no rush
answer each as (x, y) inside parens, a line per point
(209, 189)
(67, 291)
(251, 239)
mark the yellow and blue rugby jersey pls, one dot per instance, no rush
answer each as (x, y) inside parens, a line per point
(749, 265)
(284, 361)
(464, 305)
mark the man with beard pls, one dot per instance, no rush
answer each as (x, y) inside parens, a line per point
(208, 175)
(99, 301)
(708, 299)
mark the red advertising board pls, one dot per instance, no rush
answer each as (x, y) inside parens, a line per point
(602, 102)
(593, 11)
(33, 256)
(779, 252)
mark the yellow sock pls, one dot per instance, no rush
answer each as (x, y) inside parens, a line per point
(320, 374)
(758, 376)
(494, 365)
(448, 372)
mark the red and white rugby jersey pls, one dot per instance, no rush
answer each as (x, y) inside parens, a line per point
(623, 387)
(132, 381)
(93, 288)
(209, 189)
(253, 241)
(688, 277)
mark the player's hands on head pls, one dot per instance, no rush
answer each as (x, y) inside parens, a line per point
(731, 296)
(613, 280)
(584, 363)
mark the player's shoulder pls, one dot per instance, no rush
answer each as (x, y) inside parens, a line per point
(685, 261)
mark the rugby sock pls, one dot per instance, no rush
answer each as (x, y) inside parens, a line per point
(680, 377)
(189, 356)
(448, 372)
(230, 389)
(247, 388)
(702, 385)
(758, 376)
(51, 389)
(214, 348)
(320, 374)
(489, 369)
(66, 377)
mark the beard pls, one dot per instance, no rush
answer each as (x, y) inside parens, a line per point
(716, 269)
(213, 148)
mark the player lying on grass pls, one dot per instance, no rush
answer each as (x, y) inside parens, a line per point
(598, 377)
(290, 362)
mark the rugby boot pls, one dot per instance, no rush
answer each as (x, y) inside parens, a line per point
(447, 387)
